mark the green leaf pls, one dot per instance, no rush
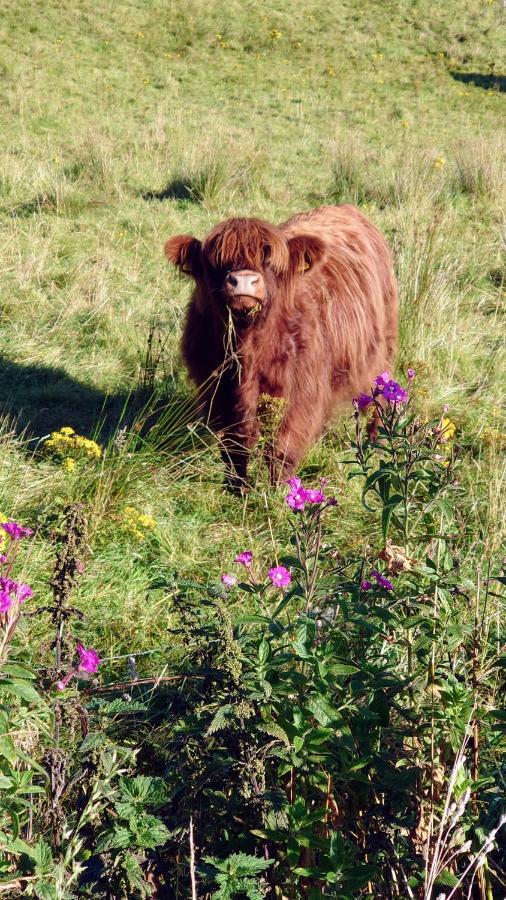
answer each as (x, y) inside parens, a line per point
(133, 872)
(292, 850)
(45, 891)
(275, 731)
(17, 671)
(117, 838)
(324, 712)
(447, 879)
(43, 858)
(149, 832)
(388, 511)
(292, 562)
(16, 845)
(220, 719)
(263, 651)
(20, 689)
(239, 864)
(7, 748)
(339, 668)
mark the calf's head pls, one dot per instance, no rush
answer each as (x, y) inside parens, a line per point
(242, 264)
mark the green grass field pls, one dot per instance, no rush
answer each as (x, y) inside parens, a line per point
(124, 123)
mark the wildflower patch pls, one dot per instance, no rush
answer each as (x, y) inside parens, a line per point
(136, 524)
(65, 446)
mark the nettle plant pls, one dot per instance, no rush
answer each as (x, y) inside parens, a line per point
(342, 731)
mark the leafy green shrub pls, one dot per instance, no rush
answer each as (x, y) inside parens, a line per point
(321, 732)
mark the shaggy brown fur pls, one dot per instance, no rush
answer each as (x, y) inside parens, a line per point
(316, 322)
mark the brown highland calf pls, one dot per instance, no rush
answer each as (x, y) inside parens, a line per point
(306, 311)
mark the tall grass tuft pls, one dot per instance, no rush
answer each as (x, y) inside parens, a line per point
(208, 176)
(480, 169)
(350, 172)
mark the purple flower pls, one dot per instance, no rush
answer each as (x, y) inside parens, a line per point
(88, 659)
(8, 585)
(5, 601)
(297, 497)
(280, 576)
(366, 585)
(244, 558)
(362, 401)
(62, 684)
(394, 393)
(313, 495)
(23, 592)
(3, 559)
(15, 591)
(411, 374)
(381, 380)
(228, 580)
(382, 581)
(16, 531)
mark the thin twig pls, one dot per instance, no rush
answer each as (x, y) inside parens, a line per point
(192, 863)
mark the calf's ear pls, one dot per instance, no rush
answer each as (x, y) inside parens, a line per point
(307, 252)
(183, 251)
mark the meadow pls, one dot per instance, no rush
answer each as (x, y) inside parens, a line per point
(125, 123)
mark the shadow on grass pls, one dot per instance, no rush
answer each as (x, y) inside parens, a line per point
(37, 400)
(41, 399)
(177, 189)
(487, 82)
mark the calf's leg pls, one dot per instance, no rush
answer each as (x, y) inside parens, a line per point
(235, 451)
(300, 428)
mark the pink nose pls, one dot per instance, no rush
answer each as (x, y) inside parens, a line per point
(243, 283)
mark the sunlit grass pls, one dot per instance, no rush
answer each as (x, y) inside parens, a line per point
(125, 124)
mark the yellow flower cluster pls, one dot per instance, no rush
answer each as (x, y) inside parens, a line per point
(136, 524)
(68, 446)
(445, 435)
(439, 162)
(447, 431)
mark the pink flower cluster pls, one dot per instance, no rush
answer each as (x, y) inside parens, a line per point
(279, 576)
(11, 591)
(89, 662)
(385, 387)
(298, 495)
(88, 659)
(228, 580)
(245, 558)
(15, 530)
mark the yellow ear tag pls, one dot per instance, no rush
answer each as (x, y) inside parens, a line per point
(305, 266)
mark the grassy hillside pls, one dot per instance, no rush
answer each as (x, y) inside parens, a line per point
(124, 123)
(344, 738)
